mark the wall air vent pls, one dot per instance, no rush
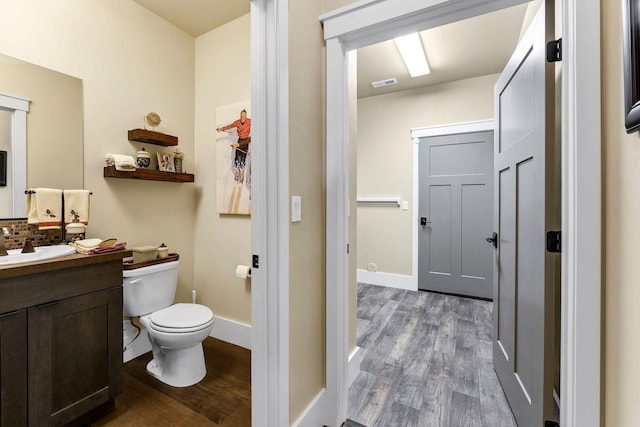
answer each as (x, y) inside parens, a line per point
(385, 82)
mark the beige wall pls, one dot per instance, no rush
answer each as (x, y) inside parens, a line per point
(385, 160)
(306, 169)
(131, 62)
(621, 181)
(221, 241)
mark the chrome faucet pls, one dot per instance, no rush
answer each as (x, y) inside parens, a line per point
(28, 246)
(5, 232)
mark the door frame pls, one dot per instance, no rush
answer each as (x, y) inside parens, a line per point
(370, 21)
(425, 132)
(270, 213)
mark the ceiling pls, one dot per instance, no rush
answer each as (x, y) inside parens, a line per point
(197, 17)
(474, 47)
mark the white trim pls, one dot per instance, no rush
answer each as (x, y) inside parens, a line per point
(453, 128)
(18, 107)
(313, 415)
(368, 22)
(270, 213)
(233, 332)
(581, 215)
(425, 132)
(337, 317)
(355, 359)
(390, 280)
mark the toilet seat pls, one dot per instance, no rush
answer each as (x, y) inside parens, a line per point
(181, 318)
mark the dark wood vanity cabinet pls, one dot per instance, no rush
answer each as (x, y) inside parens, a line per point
(13, 368)
(61, 351)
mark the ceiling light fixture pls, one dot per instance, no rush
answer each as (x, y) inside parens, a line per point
(413, 55)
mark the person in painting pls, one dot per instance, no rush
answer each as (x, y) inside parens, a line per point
(243, 128)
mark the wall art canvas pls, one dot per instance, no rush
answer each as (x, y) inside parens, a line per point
(233, 159)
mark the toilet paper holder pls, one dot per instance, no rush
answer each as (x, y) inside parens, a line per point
(243, 271)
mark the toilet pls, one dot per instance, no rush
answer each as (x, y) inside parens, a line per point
(176, 331)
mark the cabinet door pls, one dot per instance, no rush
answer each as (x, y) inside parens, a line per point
(75, 356)
(13, 369)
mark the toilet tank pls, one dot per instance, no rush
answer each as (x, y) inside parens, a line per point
(148, 289)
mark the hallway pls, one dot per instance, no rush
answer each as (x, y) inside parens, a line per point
(427, 362)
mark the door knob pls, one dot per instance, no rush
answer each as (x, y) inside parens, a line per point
(493, 240)
(423, 221)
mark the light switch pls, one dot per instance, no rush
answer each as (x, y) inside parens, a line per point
(405, 205)
(296, 209)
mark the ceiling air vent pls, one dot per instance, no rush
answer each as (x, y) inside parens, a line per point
(386, 82)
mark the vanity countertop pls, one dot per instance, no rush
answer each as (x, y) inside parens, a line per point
(68, 261)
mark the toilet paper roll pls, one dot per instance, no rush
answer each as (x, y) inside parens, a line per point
(243, 271)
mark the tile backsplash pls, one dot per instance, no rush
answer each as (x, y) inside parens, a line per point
(19, 230)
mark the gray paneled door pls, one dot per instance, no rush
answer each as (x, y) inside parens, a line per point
(456, 213)
(523, 283)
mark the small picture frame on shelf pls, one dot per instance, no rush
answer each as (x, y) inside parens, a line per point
(165, 162)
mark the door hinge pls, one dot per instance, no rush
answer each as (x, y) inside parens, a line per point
(347, 248)
(551, 424)
(554, 241)
(554, 50)
(256, 262)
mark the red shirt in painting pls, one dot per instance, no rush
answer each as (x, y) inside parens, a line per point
(244, 129)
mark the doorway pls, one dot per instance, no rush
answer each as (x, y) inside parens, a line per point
(376, 23)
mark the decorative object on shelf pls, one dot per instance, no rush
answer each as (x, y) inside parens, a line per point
(143, 159)
(152, 119)
(233, 159)
(178, 156)
(165, 162)
(163, 251)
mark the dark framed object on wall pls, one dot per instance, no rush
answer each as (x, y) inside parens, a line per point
(631, 53)
(3, 168)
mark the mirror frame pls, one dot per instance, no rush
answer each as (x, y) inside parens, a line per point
(18, 107)
(631, 59)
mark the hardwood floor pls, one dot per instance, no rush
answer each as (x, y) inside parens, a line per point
(427, 363)
(223, 398)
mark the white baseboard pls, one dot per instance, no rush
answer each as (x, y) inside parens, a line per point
(232, 332)
(355, 358)
(390, 280)
(315, 414)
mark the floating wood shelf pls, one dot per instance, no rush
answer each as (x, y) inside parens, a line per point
(152, 137)
(148, 174)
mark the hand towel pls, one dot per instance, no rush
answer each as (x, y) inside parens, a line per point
(48, 202)
(95, 245)
(76, 206)
(30, 208)
(122, 162)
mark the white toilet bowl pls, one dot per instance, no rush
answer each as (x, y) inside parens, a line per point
(175, 331)
(176, 334)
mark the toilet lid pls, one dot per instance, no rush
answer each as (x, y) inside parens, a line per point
(182, 316)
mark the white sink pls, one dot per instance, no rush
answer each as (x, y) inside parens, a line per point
(41, 253)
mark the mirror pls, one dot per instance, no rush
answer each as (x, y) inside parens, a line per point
(41, 111)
